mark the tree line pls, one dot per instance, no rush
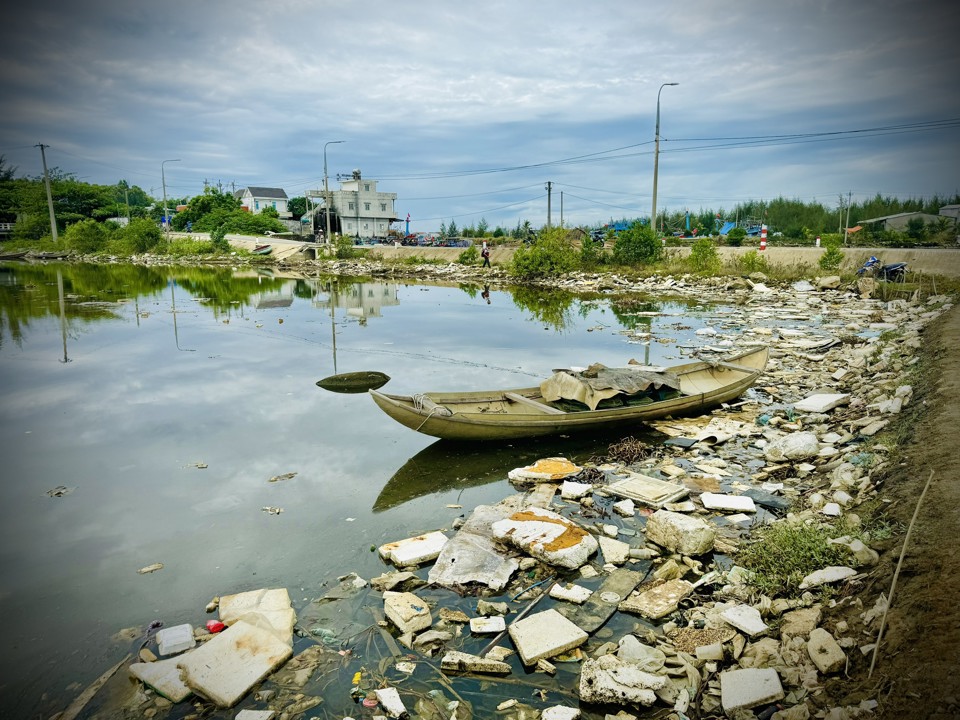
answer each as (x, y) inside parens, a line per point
(23, 201)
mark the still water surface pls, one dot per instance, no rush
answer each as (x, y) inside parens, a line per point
(117, 382)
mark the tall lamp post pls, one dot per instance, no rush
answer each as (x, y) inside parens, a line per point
(163, 178)
(656, 161)
(326, 189)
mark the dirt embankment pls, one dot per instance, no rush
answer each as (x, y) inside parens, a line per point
(917, 672)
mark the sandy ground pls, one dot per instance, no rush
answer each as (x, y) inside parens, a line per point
(940, 261)
(917, 673)
(928, 261)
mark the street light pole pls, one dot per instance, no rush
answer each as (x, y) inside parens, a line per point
(163, 179)
(326, 189)
(656, 160)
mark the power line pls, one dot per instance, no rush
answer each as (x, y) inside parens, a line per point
(481, 212)
(489, 171)
(492, 192)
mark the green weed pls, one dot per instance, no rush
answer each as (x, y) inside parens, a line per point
(784, 552)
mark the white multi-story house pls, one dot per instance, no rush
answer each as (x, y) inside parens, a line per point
(358, 209)
(255, 199)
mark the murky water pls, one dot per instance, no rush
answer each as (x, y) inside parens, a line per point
(163, 400)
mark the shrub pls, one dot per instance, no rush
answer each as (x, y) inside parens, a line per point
(141, 235)
(550, 254)
(751, 262)
(343, 247)
(470, 256)
(736, 236)
(218, 238)
(704, 257)
(637, 245)
(591, 253)
(185, 247)
(86, 236)
(832, 257)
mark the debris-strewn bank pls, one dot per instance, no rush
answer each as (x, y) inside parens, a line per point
(652, 587)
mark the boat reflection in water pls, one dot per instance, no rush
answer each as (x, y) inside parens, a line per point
(448, 465)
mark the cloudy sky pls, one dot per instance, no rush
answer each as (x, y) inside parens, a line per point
(466, 111)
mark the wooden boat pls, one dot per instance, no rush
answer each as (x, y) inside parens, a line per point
(354, 382)
(262, 250)
(523, 412)
(13, 255)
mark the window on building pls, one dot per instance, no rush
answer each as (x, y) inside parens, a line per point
(256, 204)
(366, 187)
(366, 206)
(274, 204)
(351, 206)
(383, 207)
(366, 226)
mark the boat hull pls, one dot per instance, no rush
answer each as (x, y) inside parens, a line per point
(516, 413)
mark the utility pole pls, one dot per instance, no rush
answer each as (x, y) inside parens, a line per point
(846, 226)
(326, 191)
(46, 180)
(656, 162)
(126, 194)
(561, 208)
(549, 187)
(163, 180)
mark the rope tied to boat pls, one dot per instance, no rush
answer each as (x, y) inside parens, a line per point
(422, 403)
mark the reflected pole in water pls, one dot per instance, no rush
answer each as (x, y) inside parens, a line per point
(173, 302)
(333, 323)
(63, 315)
(646, 352)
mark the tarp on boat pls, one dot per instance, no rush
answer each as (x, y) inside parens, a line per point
(598, 383)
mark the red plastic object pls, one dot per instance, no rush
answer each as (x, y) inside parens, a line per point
(215, 626)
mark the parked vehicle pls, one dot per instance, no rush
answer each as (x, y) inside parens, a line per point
(893, 272)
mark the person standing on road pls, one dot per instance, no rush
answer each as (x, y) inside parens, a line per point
(485, 254)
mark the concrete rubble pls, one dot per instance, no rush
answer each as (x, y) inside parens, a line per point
(547, 536)
(655, 619)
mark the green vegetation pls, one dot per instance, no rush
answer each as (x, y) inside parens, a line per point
(343, 248)
(637, 245)
(832, 256)
(592, 253)
(214, 211)
(751, 262)
(704, 258)
(185, 247)
(550, 254)
(784, 552)
(24, 201)
(470, 256)
(736, 236)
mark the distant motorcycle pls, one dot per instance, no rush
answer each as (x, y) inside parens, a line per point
(892, 272)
